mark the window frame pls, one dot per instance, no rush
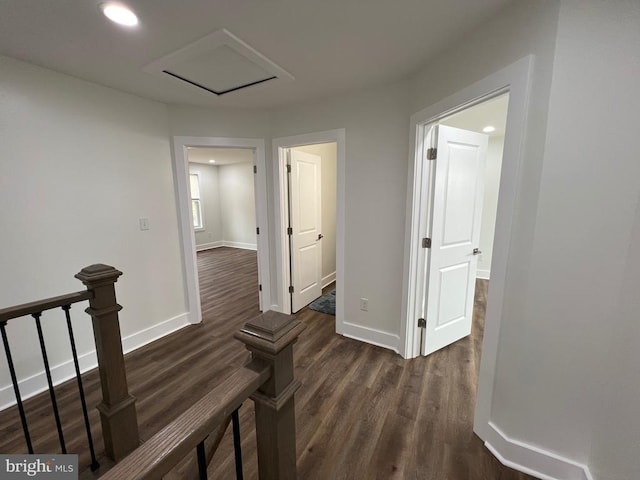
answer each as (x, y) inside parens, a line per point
(201, 227)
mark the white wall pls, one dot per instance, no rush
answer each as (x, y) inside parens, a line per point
(228, 205)
(490, 204)
(210, 202)
(328, 153)
(377, 135)
(616, 429)
(209, 122)
(80, 164)
(237, 205)
(571, 338)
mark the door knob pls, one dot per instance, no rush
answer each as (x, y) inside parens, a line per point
(477, 251)
(320, 236)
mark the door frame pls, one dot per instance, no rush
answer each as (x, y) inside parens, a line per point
(516, 80)
(187, 235)
(281, 212)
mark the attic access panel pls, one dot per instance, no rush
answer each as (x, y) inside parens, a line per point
(219, 63)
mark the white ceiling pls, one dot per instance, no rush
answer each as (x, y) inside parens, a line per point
(222, 156)
(491, 113)
(329, 46)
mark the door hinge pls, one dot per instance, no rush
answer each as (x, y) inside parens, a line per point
(422, 323)
(260, 287)
(257, 230)
(289, 231)
(426, 243)
(288, 168)
(255, 169)
(432, 153)
(290, 288)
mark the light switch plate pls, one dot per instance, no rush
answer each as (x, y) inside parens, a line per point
(144, 224)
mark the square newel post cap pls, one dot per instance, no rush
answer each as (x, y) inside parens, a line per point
(270, 332)
(98, 274)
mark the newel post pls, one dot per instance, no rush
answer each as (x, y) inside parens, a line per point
(270, 338)
(117, 409)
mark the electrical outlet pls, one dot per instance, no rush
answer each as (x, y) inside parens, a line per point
(364, 304)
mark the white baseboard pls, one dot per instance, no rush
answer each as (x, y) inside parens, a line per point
(328, 279)
(159, 330)
(533, 460)
(483, 274)
(226, 243)
(37, 383)
(62, 372)
(208, 246)
(246, 246)
(371, 335)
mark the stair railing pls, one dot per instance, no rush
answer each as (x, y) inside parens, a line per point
(117, 408)
(268, 379)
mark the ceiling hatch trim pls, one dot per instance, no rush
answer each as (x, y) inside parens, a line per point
(219, 63)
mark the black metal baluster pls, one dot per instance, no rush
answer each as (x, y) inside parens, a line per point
(202, 461)
(237, 447)
(94, 462)
(47, 370)
(16, 389)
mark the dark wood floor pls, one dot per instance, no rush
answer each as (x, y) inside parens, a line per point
(362, 411)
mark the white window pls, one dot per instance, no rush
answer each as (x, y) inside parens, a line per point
(196, 201)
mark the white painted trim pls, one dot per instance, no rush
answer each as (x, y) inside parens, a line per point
(191, 199)
(371, 335)
(159, 330)
(226, 243)
(483, 274)
(187, 236)
(37, 383)
(329, 279)
(244, 246)
(64, 371)
(209, 246)
(280, 213)
(533, 460)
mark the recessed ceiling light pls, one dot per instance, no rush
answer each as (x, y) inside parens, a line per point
(212, 161)
(119, 13)
(489, 129)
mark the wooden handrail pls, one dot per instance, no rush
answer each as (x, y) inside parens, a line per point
(268, 379)
(42, 305)
(157, 456)
(117, 408)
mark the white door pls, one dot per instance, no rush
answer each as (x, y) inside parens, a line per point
(458, 192)
(305, 222)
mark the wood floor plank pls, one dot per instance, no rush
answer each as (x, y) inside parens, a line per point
(362, 412)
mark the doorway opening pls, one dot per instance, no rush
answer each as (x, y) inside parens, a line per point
(515, 80)
(222, 193)
(460, 186)
(309, 236)
(222, 200)
(311, 220)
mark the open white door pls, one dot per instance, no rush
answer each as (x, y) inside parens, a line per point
(305, 223)
(458, 192)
